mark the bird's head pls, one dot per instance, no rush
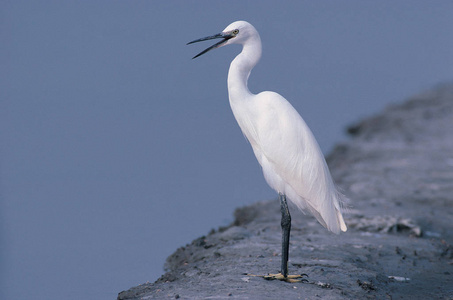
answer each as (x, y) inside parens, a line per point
(236, 33)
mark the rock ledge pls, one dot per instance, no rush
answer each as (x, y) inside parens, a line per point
(398, 169)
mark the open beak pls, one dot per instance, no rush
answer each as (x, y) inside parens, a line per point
(224, 36)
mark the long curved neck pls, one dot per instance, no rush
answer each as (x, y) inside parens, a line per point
(240, 69)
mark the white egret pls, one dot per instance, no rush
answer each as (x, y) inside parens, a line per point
(292, 162)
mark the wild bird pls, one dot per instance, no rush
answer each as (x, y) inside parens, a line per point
(292, 162)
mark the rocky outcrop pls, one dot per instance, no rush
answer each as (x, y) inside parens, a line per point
(397, 169)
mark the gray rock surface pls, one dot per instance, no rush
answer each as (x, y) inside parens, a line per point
(398, 172)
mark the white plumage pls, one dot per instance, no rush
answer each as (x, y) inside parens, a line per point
(286, 149)
(292, 161)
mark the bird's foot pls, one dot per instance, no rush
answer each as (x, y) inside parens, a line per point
(279, 276)
(288, 278)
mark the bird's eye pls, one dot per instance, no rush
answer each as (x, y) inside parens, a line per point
(236, 31)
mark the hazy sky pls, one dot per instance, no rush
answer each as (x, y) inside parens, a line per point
(117, 148)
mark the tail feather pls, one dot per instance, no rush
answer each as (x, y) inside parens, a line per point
(329, 215)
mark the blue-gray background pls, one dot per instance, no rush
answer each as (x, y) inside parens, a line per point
(117, 148)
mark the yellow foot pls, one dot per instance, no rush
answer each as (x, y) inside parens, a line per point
(279, 276)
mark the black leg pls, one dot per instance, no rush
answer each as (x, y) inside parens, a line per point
(286, 228)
